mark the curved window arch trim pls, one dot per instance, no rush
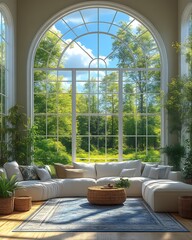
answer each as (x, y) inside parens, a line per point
(184, 34)
(115, 6)
(10, 55)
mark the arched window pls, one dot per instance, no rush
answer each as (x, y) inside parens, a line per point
(186, 32)
(6, 64)
(97, 88)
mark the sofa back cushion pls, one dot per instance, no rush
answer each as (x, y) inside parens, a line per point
(12, 168)
(89, 169)
(114, 169)
(109, 169)
(60, 169)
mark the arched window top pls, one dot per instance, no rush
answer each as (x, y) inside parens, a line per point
(7, 58)
(97, 37)
(186, 32)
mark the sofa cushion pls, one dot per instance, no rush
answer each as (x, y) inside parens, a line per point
(43, 174)
(29, 172)
(154, 173)
(40, 190)
(127, 172)
(164, 171)
(74, 173)
(12, 168)
(147, 169)
(61, 169)
(113, 169)
(89, 169)
(134, 164)
(109, 169)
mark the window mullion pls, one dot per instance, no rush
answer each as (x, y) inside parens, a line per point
(120, 115)
(73, 115)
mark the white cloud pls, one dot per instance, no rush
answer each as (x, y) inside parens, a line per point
(79, 56)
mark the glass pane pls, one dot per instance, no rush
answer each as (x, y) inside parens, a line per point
(52, 103)
(40, 103)
(40, 122)
(129, 125)
(141, 103)
(65, 76)
(82, 144)
(141, 125)
(112, 125)
(154, 125)
(39, 87)
(97, 125)
(65, 125)
(82, 125)
(141, 143)
(154, 103)
(82, 103)
(67, 145)
(64, 103)
(39, 75)
(52, 125)
(97, 147)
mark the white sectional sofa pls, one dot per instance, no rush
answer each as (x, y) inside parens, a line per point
(157, 184)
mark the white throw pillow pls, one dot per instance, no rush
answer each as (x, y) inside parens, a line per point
(154, 173)
(134, 164)
(12, 168)
(89, 169)
(164, 171)
(128, 172)
(147, 169)
(43, 174)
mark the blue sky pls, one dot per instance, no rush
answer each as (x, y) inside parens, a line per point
(90, 43)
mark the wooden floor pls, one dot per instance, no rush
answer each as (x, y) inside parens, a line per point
(10, 222)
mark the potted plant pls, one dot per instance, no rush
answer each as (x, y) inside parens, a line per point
(7, 191)
(122, 183)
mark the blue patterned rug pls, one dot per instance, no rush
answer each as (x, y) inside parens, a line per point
(77, 215)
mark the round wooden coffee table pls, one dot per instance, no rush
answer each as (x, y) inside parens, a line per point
(106, 196)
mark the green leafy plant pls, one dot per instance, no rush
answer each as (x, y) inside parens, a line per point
(7, 187)
(122, 183)
(174, 152)
(187, 168)
(17, 137)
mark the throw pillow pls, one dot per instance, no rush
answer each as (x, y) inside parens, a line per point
(164, 171)
(74, 173)
(154, 173)
(128, 172)
(60, 169)
(134, 164)
(89, 169)
(29, 172)
(147, 169)
(12, 168)
(43, 174)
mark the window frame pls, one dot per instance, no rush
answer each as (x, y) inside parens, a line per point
(156, 35)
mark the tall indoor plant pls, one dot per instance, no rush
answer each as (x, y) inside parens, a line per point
(16, 137)
(179, 105)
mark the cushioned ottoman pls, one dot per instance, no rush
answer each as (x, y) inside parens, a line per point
(162, 195)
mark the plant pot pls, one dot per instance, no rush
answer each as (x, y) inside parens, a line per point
(6, 205)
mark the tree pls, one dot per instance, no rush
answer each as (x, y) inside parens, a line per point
(136, 48)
